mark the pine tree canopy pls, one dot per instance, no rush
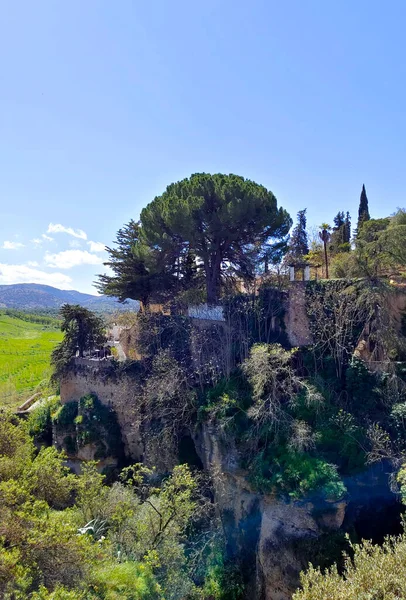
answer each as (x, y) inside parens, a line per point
(206, 227)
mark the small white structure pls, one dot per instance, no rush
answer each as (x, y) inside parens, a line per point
(304, 267)
(206, 312)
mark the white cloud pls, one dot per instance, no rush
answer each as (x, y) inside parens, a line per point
(32, 263)
(75, 244)
(44, 237)
(58, 228)
(97, 246)
(71, 258)
(24, 274)
(12, 245)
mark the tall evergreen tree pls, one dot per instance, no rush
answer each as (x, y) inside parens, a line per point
(363, 212)
(212, 227)
(339, 221)
(337, 237)
(140, 272)
(299, 245)
(347, 228)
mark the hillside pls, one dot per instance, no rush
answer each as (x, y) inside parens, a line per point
(33, 296)
(25, 350)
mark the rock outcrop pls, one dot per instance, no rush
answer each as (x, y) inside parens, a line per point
(263, 531)
(270, 537)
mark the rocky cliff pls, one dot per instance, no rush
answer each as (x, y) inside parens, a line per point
(272, 538)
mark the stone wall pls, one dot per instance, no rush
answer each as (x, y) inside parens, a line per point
(120, 393)
(296, 319)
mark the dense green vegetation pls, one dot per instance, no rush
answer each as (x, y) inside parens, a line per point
(201, 232)
(83, 330)
(295, 422)
(72, 537)
(209, 235)
(370, 571)
(26, 344)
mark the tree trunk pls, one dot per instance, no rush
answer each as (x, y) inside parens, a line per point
(212, 268)
(211, 289)
(325, 258)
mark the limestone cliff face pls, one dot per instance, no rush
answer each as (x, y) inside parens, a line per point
(263, 531)
(266, 534)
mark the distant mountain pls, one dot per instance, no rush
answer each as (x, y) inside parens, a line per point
(33, 296)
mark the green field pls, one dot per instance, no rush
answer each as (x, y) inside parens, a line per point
(26, 343)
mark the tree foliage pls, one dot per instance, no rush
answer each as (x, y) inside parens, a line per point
(140, 270)
(64, 536)
(380, 248)
(213, 225)
(374, 572)
(363, 210)
(83, 329)
(298, 243)
(341, 234)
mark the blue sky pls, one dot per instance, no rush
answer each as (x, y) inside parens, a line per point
(102, 104)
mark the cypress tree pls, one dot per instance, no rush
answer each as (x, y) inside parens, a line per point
(347, 228)
(363, 212)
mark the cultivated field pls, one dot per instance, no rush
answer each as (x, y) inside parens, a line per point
(26, 343)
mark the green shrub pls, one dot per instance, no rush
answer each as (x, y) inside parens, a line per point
(89, 422)
(66, 414)
(59, 593)
(124, 581)
(40, 420)
(296, 474)
(374, 573)
(228, 394)
(360, 385)
(342, 440)
(223, 580)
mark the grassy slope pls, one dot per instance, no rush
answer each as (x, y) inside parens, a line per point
(25, 349)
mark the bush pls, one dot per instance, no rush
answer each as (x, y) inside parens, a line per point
(226, 404)
(40, 420)
(361, 385)
(375, 572)
(125, 581)
(223, 580)
(65, 415)
(296, 474)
